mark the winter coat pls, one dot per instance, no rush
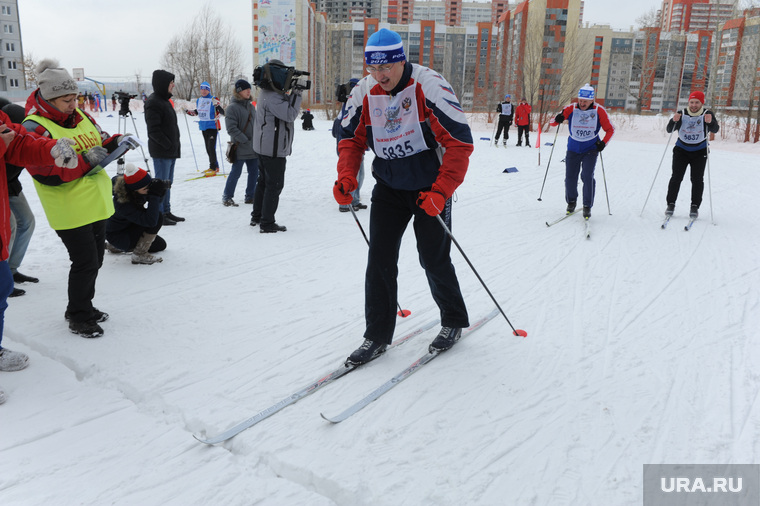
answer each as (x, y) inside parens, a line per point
(522, 115)
(68, 199)
(130, 211)
(163, 132)
(239, 127)
(307, 118)
(273, 125)
(501, 108)
(712, 127)
(584, 144)
(25, 149)
(428, 151)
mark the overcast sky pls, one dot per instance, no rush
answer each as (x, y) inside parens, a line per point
(117, 39)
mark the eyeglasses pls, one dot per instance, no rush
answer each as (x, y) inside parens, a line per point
(383, 69)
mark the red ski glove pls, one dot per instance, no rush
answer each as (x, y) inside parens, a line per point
(343, 188)
(431, 202)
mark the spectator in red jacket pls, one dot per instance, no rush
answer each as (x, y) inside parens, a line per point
(21, 148)
(522, 119)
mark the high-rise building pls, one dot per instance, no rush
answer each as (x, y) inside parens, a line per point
(11, 52)
(693, 15)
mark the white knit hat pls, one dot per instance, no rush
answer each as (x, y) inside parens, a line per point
(54, 81)
(586, 92)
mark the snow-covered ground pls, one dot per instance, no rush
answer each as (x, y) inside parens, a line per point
(642, 344)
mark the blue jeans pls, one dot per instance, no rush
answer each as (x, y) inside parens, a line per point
(252, 165)
(6, 287)
(356, 194)
(583, 164)
(164, 169)
(22, 228)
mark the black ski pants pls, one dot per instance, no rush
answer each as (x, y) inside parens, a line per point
(86, 245)
(504, 124)
(266, 198)
(209, 139)
(390, 214)
(520, 130)
(682, 159)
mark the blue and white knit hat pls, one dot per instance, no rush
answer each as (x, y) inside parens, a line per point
(507, 96)
(384, 46)
(586, 92)
(205, 86)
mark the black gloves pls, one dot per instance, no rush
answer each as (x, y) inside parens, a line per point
(559, 118)
(600, 145)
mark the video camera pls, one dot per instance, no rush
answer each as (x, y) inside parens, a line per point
(275, 76)
(124, 99)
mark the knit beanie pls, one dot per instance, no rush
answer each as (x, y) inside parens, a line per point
(242, 84)
(54, 81)
(205, 86)
(698, 95)
(586, 92)
(384, 46)
(135, 177)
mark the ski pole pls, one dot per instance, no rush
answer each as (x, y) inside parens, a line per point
(448, 231)
(493, 133)
(548, 163)
(403, 313)
(709, 186)
(657, 172)
(191, 142)
(604, 178)
(221, 153)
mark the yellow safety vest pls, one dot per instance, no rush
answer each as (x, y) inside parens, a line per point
(84, 200)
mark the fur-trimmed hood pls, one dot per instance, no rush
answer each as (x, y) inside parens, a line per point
(122, 195)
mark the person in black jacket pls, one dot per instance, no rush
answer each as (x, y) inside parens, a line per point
(133, 227)
(693, 124)
(307, 117)
(163, 136)
(506, 113)
(22, 217)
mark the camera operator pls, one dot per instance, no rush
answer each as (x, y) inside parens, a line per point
(124, 99)
(277, 108)
(133, 227)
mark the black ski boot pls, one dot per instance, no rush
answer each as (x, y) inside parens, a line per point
(369, 350)
(669, 210)
(586, 212)
(87, 329)
(446, 338)
(571, 207)
(694, 212)
(270, 229)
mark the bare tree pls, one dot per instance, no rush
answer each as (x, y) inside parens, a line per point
(206, 51)
(30, 74)
(650, 19)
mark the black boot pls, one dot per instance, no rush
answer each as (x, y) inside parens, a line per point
(694, 212)
(446, 338)
(369, 350)
(87, 329)
(670, 209)
(168, 220)
(571, 207)
(586, 212)
(173, 217)
(270, 229)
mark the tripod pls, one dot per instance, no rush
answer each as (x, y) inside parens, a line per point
(123, 113)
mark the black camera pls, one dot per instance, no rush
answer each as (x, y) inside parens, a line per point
(124, 99)
(158, 187)
(275, 76)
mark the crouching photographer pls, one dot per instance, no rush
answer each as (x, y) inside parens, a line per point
(277, 108)
(133, 226)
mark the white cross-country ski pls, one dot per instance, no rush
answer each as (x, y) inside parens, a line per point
(303, 392)
(415, 366)
(665, 223)
(688, 225)
(566, 216)
(588, 229)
